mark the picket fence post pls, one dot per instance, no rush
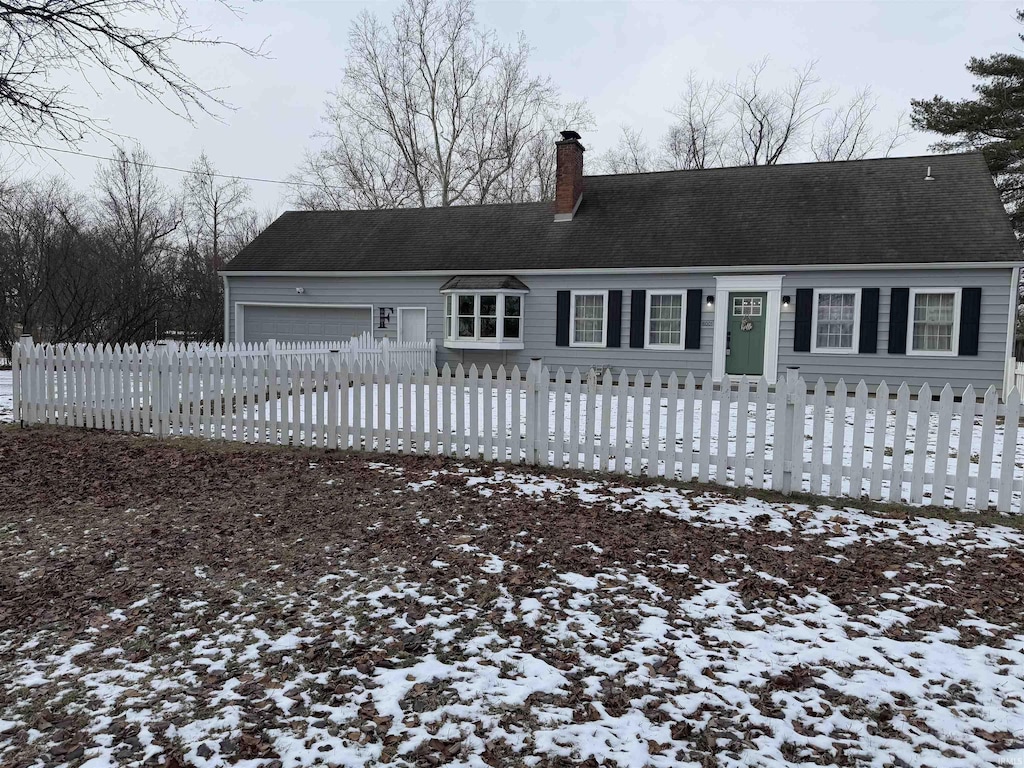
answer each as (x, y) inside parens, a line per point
(787, 459)
(533, 409)
(16, 381)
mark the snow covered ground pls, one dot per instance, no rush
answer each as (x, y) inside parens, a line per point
(442, 615)
(6, 397)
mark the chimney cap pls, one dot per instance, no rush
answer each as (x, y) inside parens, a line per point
(570, 136)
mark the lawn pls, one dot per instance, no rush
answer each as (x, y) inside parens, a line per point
(176, 603)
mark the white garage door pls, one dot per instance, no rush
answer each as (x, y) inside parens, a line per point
(304, 323)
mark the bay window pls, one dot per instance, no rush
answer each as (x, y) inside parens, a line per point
(483, 320)
(513, 317)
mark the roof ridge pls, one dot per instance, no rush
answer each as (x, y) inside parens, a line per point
(473, 206)
(802, 163)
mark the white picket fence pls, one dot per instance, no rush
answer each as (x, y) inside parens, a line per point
(1015, 375)
(363, 352)
(884, 445)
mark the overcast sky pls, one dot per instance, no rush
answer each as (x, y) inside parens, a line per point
(626, 59)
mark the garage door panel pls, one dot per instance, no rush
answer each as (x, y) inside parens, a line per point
(304, 323)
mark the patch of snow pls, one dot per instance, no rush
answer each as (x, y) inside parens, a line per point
(6, 396)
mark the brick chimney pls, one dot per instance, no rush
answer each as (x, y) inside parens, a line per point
(568, 175)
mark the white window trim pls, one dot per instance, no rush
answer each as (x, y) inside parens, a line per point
(955, 336)
(476, 342)
(853, 350)
(682, 321)
(726, 284)
(572, 320)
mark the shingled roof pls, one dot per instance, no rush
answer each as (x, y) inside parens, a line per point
(857, 212)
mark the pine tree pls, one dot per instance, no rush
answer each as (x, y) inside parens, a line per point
(993, 122)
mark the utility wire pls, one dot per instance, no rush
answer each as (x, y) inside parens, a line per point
(171, 167)
(187, 172)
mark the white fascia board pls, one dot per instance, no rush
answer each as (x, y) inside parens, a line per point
(711, 270)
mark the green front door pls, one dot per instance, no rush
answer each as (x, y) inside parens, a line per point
(747, 316)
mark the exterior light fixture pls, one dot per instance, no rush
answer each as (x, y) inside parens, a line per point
(785, 301)
(300, 290)
(711, 300)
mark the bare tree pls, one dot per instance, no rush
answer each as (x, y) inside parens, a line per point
(532, 177)
(53, 276)
(698, 139)
(747, 122)
(432, 110)
(631, 154)
(43, 41)
(214, 208)
(136, 261)
(136, 217)
(217, 223)
(847, 132)
(771, 122)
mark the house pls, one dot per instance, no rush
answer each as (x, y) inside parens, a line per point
(903, 269)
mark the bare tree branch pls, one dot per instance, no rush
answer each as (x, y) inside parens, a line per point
(42, 42)
(846, 132)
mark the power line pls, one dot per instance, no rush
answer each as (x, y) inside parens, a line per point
(218, 175)
(172, 168)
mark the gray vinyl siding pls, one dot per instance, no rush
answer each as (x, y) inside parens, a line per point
(982, 371)
(539, 322)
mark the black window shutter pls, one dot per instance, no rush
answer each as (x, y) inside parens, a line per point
(562, 319)
(970, 320)
(804, 311)
(868, 321)
(694, 296)
(899, 303)
(637, 319)
(614, 335)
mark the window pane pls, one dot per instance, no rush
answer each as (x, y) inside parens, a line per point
(836, 316)
(747, 306)
(512, 306)
(589, 319)
(933, 322)
(466, 326)
(489, 305)
(448, 328)
(488, 327)
(466, 305)
(511, 327)
(666, 319)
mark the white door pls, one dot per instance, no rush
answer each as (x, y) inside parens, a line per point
(412, 324)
